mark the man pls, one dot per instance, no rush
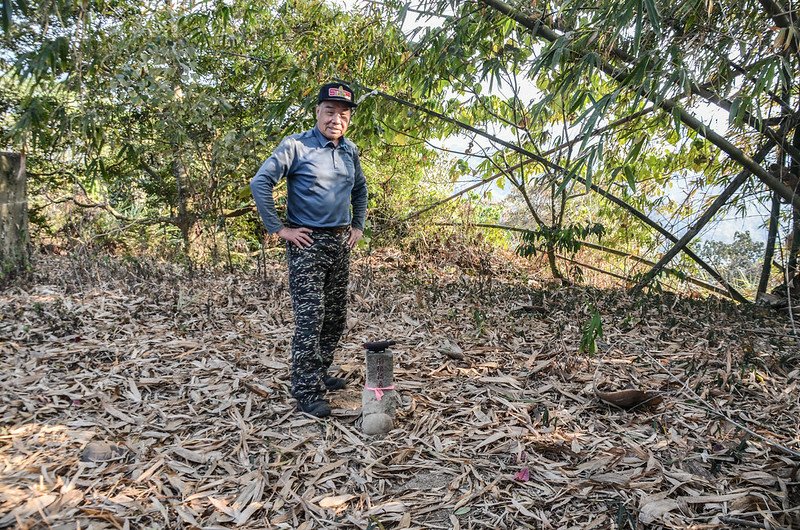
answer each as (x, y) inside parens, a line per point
(324, 180)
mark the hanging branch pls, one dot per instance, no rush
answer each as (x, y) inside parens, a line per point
(736, 295)
(668, 105)
(718, 203)
(620, 76)
(172, 220)
(684, 277)
(738, 70)
(580, 138)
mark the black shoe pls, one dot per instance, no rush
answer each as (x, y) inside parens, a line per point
(334, 383)
(318, 408)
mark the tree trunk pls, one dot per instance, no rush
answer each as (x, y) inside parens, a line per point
(769, 251)
(184, 222)
(794, 249)
(551, 260)
(14, 238)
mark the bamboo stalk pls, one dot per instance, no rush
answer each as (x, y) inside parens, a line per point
(769, 251)
(668, 105)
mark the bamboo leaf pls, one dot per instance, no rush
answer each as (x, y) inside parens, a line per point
(630, 176)
(676, 120)
(733, 112)
(634, 152)
(653, 16)
(6, 15)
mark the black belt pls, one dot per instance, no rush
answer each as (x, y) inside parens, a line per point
(326, 229)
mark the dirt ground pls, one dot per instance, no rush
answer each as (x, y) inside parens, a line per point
(137, 395)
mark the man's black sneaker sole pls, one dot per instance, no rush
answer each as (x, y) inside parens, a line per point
(319, 408)
(334, 383)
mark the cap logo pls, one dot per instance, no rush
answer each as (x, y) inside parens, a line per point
(339, 93)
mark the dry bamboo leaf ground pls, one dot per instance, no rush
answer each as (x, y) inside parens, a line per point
(135, 396)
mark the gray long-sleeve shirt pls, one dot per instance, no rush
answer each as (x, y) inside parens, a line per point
(323, 181)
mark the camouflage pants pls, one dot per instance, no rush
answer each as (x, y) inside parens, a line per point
(318, 277)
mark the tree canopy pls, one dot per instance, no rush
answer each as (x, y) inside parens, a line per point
(158, 113)
(642, 84)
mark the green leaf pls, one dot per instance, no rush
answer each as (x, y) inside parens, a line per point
(634, 153)
(673, 137)
(591, 331)
(733, 112)
(6, 15)
(676, 119)
(630, 176)
(653, 16)
(589, 173)
(573, 170)
(578, 101)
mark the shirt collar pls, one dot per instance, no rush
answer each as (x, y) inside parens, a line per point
(324, 142)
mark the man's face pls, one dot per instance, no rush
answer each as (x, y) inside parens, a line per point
(333, 119)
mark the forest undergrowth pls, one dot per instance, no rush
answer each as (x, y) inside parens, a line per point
(140, 395)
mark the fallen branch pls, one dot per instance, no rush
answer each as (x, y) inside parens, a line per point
(596, 269)
(705, 218)
(741, 522)
(628, 255)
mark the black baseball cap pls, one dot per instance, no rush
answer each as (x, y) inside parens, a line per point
(336, 92)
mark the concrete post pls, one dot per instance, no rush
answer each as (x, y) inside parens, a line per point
(378, 399)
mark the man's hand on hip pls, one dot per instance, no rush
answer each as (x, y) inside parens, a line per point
(300, 237)
(355, 237)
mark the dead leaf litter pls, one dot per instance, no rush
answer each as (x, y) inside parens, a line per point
(138, 397)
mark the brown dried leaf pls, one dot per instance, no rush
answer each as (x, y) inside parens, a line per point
(652, 511)
(630, 398)
(336, 501)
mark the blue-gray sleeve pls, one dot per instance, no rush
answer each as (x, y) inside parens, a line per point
(274, 168)
(358, 197)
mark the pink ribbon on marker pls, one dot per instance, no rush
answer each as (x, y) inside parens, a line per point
(379, 390)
